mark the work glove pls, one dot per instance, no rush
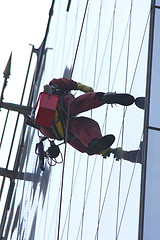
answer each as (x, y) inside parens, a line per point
(106, 153)
(47, 88)
(119, 153)
(84, 88)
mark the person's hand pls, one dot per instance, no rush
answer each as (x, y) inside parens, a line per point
(84, 88)
(46, 89)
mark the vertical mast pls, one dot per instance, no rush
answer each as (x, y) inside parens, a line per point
(150, 187)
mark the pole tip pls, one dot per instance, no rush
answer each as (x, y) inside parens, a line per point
(7, 70)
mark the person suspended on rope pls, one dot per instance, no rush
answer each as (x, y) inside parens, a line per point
(84, 133)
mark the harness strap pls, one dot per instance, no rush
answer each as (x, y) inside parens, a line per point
(58, 125)
(63, 113)
(61, 118)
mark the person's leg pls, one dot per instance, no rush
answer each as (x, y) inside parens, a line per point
(93, 100)
(133, 156)
(78, 145)
(85, 129)
(89, 134)
(83, 103)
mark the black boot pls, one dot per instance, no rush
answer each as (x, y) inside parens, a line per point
(140, 102)
(98, 145)
(124, 99)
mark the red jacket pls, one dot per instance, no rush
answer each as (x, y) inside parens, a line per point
(64, 84)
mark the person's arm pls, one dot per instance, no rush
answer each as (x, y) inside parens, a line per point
(64, 84)
(69, 84)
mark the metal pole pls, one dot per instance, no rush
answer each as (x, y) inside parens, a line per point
(146, 120)
(68, 5)
(6, 75)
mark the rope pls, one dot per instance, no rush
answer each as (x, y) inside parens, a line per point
(86, 201)
(123, 126)
(104, 51)
(125, 204)
(87, 193)
(64, 41)
(67, 125)
(45, 222)
(97, 46)
(118, 230)
(88, 188)
(101, 182)
(84, 50)
(55, 43)
(72, 36)
(100, 210)
(100, 195)
(84, 197)
(118, 141)
(111, 45)
(90, 53)
(74, 61)
(140, 50)
(120, 53)
(71, 195)
(53, 214)
(105, 195)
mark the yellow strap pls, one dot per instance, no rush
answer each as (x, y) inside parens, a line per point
(58, 125)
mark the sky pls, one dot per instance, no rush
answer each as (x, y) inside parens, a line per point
(21, 23)
(24, 23)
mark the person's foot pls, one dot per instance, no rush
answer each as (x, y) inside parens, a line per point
(98, 145)
(124, 99)
(140, 102)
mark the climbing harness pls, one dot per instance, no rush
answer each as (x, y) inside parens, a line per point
(50, 105)
(39, 150)
(50, 154)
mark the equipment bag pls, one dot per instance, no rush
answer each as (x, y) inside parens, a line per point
(45, 109)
